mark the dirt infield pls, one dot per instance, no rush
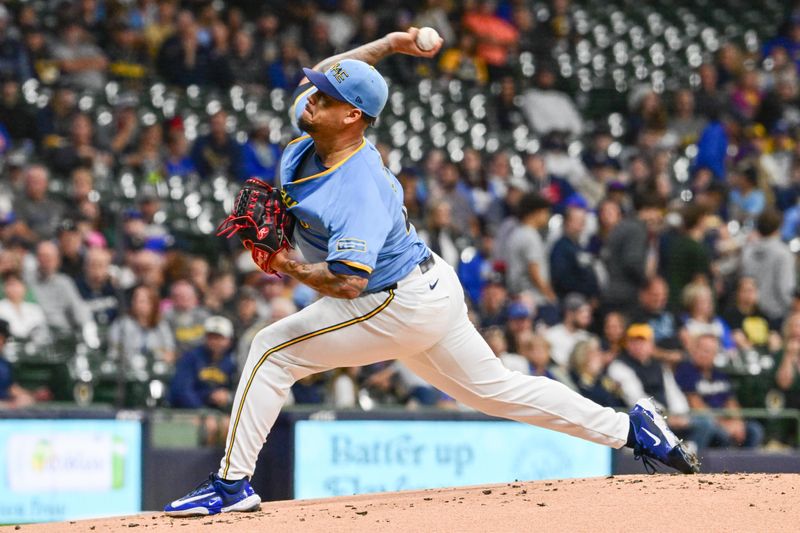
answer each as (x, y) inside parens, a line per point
(718, 502)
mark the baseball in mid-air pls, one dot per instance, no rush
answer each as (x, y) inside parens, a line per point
(427, 38)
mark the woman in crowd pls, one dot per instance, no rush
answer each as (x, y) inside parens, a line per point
(142, 332)
(587, 370)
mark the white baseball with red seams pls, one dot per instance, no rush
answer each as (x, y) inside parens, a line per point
(427, 38)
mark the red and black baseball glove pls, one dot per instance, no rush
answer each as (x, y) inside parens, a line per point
(261, 220)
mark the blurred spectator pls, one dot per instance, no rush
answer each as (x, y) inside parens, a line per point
(218, 152)
(147, 159)
(587, 370)
(536, 350)
(247, 66)
(177, 161)
(653, 299)
(41, 63)
(204, 376)
(527, 264)
(746, 95)
(159, 27)
(70, 244)
(597, 158)
(751, 329)
(248, 311)
(343, 22)
(12, 395)
(463, 62)
(434, 14)
(519, 321)
(770, 262)
(685, 125)
(186, 317)
(686, 258)
(707, 387)
(712, 148)
(779, 107)
(285, 72)
(126, 125)
(648, 114)
(24, 320)
(451, 188)
(609, 214)
(613, 341)
(15, 116)
(564, 336)
(79, 149)
(65, 310)
(632, 253)
(128, 57)
(81, 62)
(493, 305)
(260, 155)
(746, 200)
(36, 209)
(556, 190)
(496, 340)
(571, 265)
(507, 114)
(199, 274)
(441, 233)
(13, 59)
(787, 376)
(221, 74)
(142, 332)
(639, 374)
(183, 59)
(55, 120)
(96, 288)
(495, 36)
(701, 317)
(548, 109)
(221, 293)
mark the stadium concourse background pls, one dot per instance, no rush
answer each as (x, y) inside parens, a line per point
(659, 138)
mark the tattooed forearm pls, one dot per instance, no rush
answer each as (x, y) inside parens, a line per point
(318, 277)
(369, 53)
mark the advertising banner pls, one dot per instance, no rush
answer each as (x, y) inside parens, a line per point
(345, 457)
(66, 469)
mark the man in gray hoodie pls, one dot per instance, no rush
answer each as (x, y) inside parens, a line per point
(770, 262)
(632, 254)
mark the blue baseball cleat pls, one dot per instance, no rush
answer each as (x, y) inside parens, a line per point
(216, 496)
(654, 440)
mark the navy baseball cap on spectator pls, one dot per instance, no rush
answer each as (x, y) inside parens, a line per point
(518, 310)
(574, 301)
(132, 214)
(354, 82)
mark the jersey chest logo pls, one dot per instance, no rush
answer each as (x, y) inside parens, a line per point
(288, 201)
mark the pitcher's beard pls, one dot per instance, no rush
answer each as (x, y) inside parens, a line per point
(305, 125)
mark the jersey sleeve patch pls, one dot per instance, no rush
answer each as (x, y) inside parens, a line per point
(351, 245)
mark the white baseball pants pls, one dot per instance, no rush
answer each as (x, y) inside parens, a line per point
(423, 322)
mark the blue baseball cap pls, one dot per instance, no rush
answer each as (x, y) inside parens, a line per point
(354, 82)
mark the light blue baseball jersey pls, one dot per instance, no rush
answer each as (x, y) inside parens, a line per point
(351, 214)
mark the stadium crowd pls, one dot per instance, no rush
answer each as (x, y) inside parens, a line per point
(650, 253)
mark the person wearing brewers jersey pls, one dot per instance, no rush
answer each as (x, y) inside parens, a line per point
(385, 296)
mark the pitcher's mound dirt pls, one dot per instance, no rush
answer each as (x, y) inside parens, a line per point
(705, 502)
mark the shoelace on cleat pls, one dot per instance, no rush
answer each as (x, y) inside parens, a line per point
(203, 485)
(649, 464)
